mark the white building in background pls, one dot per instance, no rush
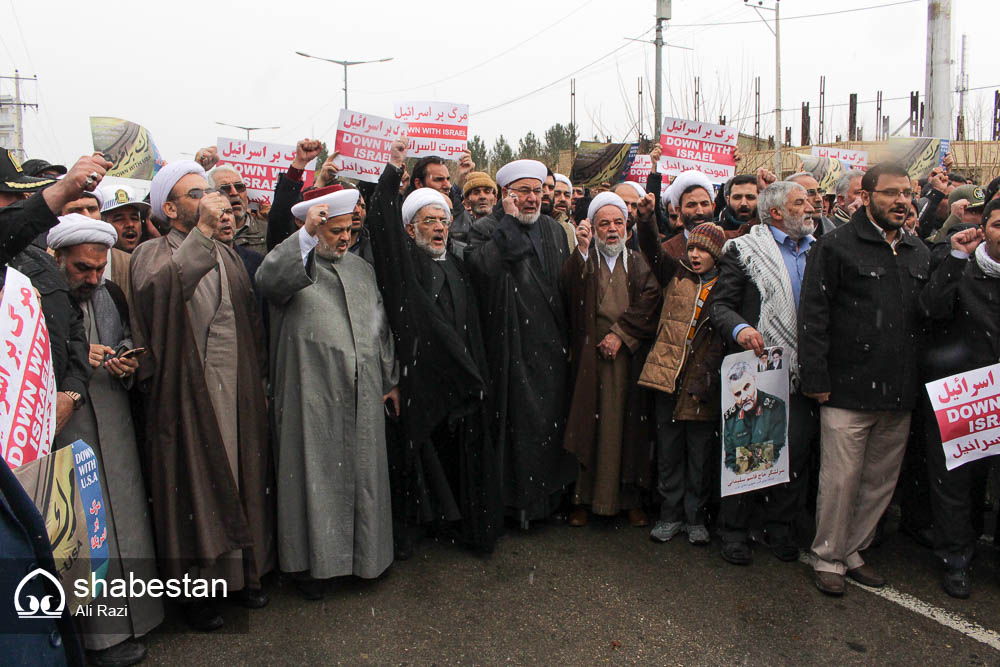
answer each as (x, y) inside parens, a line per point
(8, 127)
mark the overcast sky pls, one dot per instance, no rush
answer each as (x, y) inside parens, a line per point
(178, 67)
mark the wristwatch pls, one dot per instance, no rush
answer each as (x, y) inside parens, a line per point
(76, 398)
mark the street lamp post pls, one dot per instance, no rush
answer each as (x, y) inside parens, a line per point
(345, 64)
(248, 129)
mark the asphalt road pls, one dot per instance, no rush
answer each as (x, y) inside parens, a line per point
(602, 593)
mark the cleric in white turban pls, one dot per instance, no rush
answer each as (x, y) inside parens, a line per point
(165, 180)
(420, 198)
(518, 169)
(687, 181)
(606, 199)
(74, 229)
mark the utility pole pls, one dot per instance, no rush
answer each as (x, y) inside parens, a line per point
(937, 84)
(345, 64)
(662, 14)
(962, 86)
(776, 31)
(18, 110)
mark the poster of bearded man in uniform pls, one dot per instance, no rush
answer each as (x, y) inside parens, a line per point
(754, 422)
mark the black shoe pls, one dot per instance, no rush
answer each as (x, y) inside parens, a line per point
(785, 551)
(922, 536)
(957, 583)
(737, 553)
(129, 652)
(310, 589)
(203, 617)
(251, 598)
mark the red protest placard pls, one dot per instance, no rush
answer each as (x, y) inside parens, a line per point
(967, 408)
(27, 381)
(706, 147)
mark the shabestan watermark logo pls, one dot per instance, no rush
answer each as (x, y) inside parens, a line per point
(28, 606)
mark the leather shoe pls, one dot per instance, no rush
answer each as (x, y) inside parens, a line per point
(129, 652)
(785, 551)
(957, 583)
(578, 517)
(830, 583)
(866, 574)
(737, 553)
(637, 517)
(203, 617)
(252, 598)
(309, 588)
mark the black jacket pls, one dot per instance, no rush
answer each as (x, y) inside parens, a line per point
(68, 340)
(280, 222)
(964, 304)
(21, 223)
(860, 326)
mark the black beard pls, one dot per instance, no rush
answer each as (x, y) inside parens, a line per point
(695, 220)
(546, 208)
(881, 218)
(743, 213)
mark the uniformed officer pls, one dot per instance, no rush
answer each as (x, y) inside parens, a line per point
(756, 418)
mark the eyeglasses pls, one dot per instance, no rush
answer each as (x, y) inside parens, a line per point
(524, 192)
(893, 193)
(196, 193)
(228, 188)
(433, 221)
(813, 192)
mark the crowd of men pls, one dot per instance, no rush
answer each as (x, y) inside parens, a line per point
(313, 387)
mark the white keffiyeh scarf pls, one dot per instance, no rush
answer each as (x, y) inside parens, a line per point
(987, 264)
(761, 260)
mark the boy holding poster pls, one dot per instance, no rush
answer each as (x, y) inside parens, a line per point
(683, 369)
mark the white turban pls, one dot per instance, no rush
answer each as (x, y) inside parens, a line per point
(638, 188)
(340, 202)
(518, 169)
(421, 197)
(685, 180)
(606, 199)
(74, 229)
(561, 178)
(165, 180)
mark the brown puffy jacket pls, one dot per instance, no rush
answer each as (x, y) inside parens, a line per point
(691, 373)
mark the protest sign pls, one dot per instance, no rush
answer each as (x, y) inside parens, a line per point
(260, 163)
(850, 159)
(967, 408)
(754, 421)
(65, 486)
(703, 146)
(597, 162)
(435, 128)
(826, 171)
(27, 381)
(918, 154)
(639, 170)
(128, 146)
(363, 143)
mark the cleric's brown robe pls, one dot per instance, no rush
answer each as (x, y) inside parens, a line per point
(200, 510)
(580, 283)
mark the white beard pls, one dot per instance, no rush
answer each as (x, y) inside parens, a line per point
(425, 245)
(612, 250)
(528, 218)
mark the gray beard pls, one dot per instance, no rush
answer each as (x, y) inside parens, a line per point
(798, 229)
(425, 245)
(612, 250)
(528, 218)
(327, 251)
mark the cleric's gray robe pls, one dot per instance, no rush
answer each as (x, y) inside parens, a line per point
(333, 359)
(105, 423)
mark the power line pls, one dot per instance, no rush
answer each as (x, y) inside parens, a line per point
(803, 16)
(485, 62)
(560, 79)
